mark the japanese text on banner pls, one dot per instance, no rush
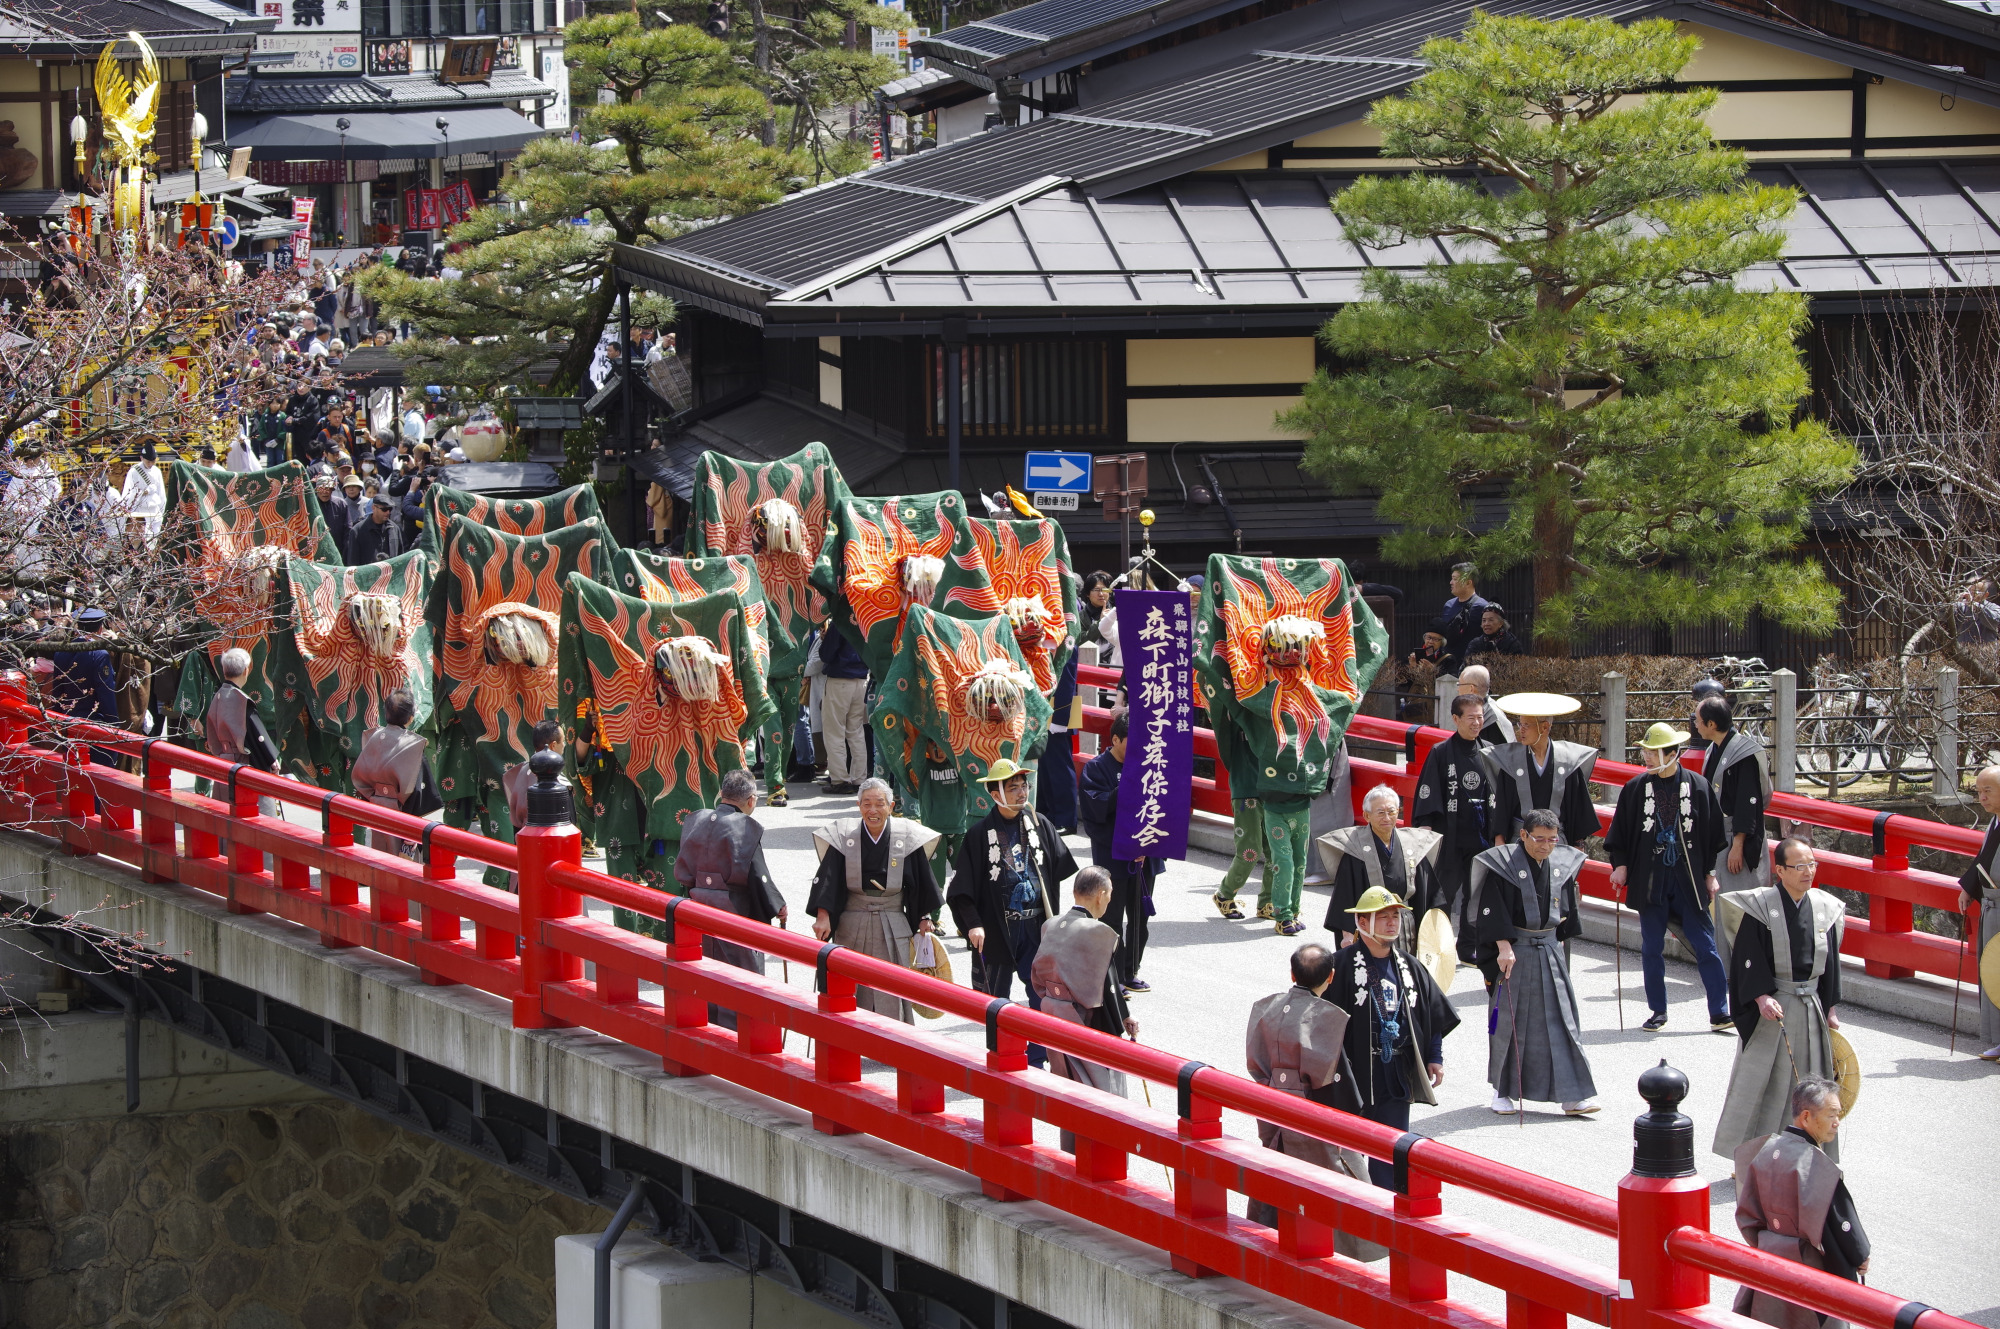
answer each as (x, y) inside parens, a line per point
(1154, 788)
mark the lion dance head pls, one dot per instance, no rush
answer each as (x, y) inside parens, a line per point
(1029, 617)
(517, 639)
(997, 693)
(377, 623)
(1288, 638)
(921, 575)
(777, 528)
(687, 668)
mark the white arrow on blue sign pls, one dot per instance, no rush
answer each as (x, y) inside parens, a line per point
(1058, 473)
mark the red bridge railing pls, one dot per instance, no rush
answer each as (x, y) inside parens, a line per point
(557, 968)
(1886, 941)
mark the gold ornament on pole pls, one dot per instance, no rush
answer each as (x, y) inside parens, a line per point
(127, 109)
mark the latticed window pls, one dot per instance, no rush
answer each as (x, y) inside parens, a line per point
(1032, 389)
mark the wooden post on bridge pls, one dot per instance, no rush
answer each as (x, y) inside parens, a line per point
(1660, 1194)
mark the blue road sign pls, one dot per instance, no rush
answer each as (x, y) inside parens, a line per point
(227, 232)
(1058, 473)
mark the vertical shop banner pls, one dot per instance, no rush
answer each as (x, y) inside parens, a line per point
(1155, 789)
(554, 73)
(302, 243)
(420, 209)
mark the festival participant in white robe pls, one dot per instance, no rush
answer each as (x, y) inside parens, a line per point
(1455, 799)
(1075, 979)
(1663, 838)
(1736, 769)
(875, 890)
(144, 496)
(1537, 771)
(1400, 859)
(1784, 982)
(1296, 1044)
(1977, 886)
(1526, 897)
(1397, 1019)
(1792, 1202)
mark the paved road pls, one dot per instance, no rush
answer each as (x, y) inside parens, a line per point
(1920, 1149)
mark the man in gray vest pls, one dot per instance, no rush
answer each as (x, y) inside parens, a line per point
(391, 764)
(1536, 771)
(233, 730)
(1074, 979)
(875, 890)
(721, 864)
(1736, 771)
(1297, 1044)
(1524, 906)
(1791, 1201)
(1783, 944)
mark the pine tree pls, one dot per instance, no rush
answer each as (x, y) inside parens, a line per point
(677, 146)
(814, 60)
(1587, 353)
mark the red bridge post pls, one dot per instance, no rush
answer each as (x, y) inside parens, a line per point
(548, 839)
(1660, 1194)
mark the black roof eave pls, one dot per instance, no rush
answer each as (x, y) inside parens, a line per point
(824, 321)
(236, 41)
(741, 297)
(1841, 51)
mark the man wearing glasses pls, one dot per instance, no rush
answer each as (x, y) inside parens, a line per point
(1524, 906)
(1783, 944)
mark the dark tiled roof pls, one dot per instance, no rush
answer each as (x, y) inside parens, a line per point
(253, 96)
(1271, 239)
(1255, 100)
(766, 428)
(1033, 25)
(99, 19)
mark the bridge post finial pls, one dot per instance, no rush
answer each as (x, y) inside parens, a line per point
(1660, 1194)
(549, 799)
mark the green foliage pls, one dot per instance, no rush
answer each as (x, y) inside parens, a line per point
(797, 52)
(1586, 354)
(535, 292)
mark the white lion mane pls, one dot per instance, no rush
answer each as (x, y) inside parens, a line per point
(998, 683)
(921, 575)
(377, 622)
(782, 529)
(691, 667)
(518, 640)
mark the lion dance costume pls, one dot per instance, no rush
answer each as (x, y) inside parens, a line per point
(1284, 648)
(774, 513)
(657, 690)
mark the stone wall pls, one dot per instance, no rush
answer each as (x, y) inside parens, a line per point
(294, 1216)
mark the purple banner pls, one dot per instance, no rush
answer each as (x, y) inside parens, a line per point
(1155, 629)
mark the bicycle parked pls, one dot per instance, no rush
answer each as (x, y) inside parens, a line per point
(1849, 730)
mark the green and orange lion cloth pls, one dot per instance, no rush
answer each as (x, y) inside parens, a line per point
(1284, 650)
(665, 673)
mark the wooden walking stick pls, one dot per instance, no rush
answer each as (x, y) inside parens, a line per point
(1618, 954)
(1957, 978)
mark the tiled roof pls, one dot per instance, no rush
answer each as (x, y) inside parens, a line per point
(253, 96)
